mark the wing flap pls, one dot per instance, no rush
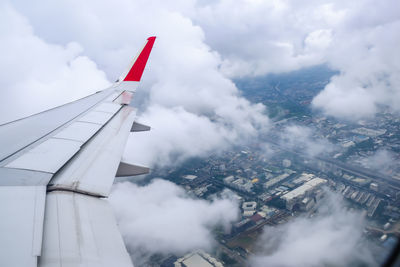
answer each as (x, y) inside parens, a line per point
(81, 230)
(17, 177)
(21, 225)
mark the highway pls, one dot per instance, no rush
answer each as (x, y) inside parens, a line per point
(355, 170)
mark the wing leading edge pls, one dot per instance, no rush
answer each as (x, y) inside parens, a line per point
(53, 182)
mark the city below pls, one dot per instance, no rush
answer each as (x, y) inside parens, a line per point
(276, 179)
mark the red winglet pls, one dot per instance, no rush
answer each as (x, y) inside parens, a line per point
(135, 73)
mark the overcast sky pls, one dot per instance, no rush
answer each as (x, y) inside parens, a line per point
(54, 52)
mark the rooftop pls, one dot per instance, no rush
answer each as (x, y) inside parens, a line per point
(196, 261)
(301, 190)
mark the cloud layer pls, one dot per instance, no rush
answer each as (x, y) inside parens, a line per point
(188, 100)
(162, 218)
(358, 38)
(331, 238)
(366, 55)
(301, 138)
(382, 161)
(36, 75)
(200, 44)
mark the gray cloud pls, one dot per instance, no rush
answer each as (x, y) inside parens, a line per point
(333, 237)
(304, 139)
(357, 38)
(162, 218)
(259, 37)
(382, 160)
(366, 55)
(192, 107)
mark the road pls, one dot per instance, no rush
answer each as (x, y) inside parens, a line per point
(355, 170)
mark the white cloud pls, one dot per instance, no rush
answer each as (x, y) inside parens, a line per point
(382, 160)
(36, 75)
(357, 38)
(176, 135)
(162, 218)
(333, 237)
(318, 40)
(303, 139)
(259, 37)
(200, 42)
(251, 38)
(183, 78)
(368, 61)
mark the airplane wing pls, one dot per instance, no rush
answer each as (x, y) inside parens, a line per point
(56, 171)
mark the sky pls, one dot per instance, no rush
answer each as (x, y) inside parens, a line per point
(53, 52)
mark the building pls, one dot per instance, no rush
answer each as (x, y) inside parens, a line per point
(369, 132)
(304, 177)
(249, 208)
(347, 144)
(297, 195)
(276, 180)
(251, 205)
(239, 183)
(229, 179)
(307, 204)
(248, 213)
(242, 184)
(189, 177)
(257, 218)
(268, 211)
(197, 259)
(374, 186)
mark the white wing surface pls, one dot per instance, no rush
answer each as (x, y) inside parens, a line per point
(56, 170)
